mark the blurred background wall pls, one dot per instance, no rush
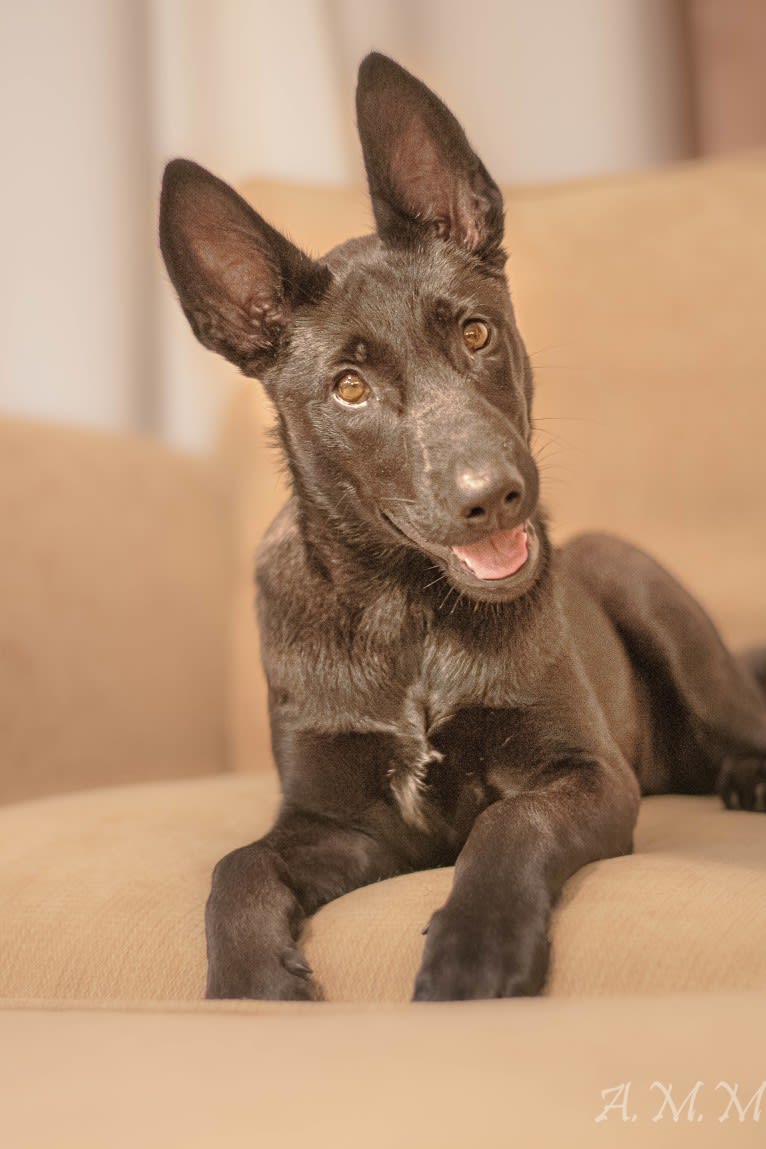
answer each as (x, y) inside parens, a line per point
(98, 94)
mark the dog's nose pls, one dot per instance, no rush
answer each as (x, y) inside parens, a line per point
(488, 495)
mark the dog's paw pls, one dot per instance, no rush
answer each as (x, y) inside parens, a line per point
(282, 976)
(473, 959)
(742, 784)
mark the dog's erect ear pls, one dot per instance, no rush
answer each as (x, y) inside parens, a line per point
(421, 169)
(237, 278)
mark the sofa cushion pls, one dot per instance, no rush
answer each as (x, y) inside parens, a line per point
(102, 896)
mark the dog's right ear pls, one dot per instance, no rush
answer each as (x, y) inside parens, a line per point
(238, 280)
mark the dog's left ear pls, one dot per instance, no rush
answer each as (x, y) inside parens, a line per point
(238, 280)
(422, 172)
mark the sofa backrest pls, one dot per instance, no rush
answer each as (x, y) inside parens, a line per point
(115, 579)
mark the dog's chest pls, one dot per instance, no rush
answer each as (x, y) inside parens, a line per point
(442, 759)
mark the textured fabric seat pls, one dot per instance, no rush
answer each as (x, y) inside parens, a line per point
(103, 895)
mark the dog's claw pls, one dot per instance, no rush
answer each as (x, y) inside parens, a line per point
(295, 963)
(742, 784)
(270, 975)
(465, 960)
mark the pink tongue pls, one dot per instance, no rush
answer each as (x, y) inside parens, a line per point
(497, 556)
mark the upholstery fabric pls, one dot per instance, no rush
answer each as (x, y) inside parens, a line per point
(115, 581)
(483, 1075)
(103, 895)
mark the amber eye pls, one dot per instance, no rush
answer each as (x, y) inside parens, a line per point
(351, 389)
(475, 334)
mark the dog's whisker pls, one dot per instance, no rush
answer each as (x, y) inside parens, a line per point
(543, 438)
(457, 601)
(446, 598)
(545, 461)
(550, 347)
(573, 368)
(566, 419)
(553, 445)
(539, 430)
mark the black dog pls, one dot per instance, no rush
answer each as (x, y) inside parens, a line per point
(444, 686)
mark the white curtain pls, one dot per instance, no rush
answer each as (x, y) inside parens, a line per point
(100, 93)
(75, 211)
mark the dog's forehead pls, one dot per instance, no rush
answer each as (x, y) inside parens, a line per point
(387, 291)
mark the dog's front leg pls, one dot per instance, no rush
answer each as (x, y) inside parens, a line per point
(262, 893)
(491, 937)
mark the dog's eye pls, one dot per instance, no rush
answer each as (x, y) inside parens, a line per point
(475, 334)
(351, 389)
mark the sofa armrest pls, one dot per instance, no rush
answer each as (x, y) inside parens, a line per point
(115, 577)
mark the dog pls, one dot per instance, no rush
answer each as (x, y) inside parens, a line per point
(445, 687)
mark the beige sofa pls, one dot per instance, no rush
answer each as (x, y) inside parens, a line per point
(134, 748)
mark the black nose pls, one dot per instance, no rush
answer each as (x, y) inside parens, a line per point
(490, 495)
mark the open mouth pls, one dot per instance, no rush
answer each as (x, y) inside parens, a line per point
(498, 556)
(501, 564)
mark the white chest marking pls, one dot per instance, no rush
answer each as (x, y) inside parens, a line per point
(408, 784)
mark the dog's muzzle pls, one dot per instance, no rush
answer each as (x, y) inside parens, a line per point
(500, 566)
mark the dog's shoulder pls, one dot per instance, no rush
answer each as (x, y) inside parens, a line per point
(279, 554)
(293, 598)
(286, 600)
